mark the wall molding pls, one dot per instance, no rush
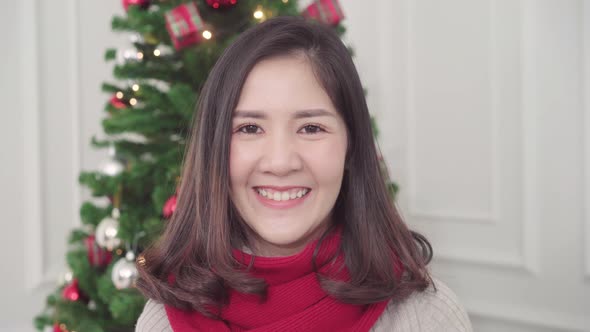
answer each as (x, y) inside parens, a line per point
(446, 215)
(30, 90)
(526, 259)
(75, 105)
(533, 318)
(484, 259)
(38, 270)
(530, 226)
(585, 13)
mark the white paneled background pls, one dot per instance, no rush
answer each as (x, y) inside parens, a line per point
(484, 111)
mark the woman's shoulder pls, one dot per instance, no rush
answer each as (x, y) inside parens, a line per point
(430, 310)
(153, 318)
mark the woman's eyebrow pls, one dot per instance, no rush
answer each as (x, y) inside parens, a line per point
(312, 113)
(300, 114)
(249, 114)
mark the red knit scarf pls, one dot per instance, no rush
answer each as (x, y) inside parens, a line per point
(295, 301)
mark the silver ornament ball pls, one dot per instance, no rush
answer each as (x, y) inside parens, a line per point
(124, 273)
(106, 233)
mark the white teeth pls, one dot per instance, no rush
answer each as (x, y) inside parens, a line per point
(282, 196)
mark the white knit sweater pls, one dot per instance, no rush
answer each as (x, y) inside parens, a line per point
(421, 312)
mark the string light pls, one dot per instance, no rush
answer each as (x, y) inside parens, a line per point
(139, 55)
(132, 101)
(258, 14)
(157, 52)
(285, 1)
(135, 87)
(207, 34)
(119, 95)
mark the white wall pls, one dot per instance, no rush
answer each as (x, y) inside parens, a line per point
(485, 105)
(482, 106)
(51, 69)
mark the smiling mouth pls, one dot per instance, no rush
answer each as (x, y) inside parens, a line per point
(280, 196)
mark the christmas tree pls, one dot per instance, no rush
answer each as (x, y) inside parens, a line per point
(151, 105)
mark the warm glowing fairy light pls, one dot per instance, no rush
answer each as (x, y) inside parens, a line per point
(258, 14)
(207, 34)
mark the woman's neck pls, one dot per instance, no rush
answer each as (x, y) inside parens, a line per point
(263, 248)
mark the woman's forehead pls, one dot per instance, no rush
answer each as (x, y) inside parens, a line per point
(283, 83)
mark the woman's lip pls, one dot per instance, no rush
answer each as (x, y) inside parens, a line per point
(281, 188)
(271, 203)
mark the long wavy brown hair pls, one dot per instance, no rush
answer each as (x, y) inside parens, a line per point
(196, 246)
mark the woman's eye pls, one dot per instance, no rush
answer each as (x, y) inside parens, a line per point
(253, 129)
(313, 129)
(248, 129)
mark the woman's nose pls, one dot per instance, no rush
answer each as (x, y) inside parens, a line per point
(281, 155)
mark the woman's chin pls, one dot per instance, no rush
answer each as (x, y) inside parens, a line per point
(285, 241)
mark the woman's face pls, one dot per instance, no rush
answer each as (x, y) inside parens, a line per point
(287, 156)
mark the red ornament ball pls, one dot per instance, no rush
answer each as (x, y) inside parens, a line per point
(169, 207)
(97, 256)
(141, 3)
(221, 3)
(72, 292)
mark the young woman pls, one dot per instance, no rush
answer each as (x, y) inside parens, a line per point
(283, 221)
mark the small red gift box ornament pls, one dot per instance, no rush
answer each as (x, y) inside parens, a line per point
(325, 11)
(184, 25)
